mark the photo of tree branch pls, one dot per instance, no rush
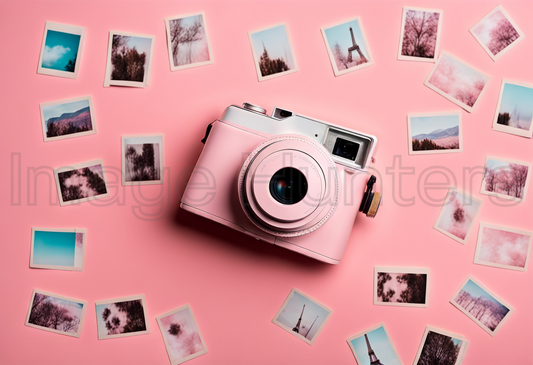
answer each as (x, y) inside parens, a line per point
(496, 32)
(82, 183)
(141, 162)
(55, 313)
(420, 33)
(505, 178)
(439, 349)
(129, 57)
(401, 288)
(188, 40)
(121, 317)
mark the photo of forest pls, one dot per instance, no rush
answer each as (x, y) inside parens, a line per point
(439, 349)
(67, 118)
(401, 288)
(82, 183)
(503, 247)
(505, 179)
(188, 40)
(272, 51)
(457, 80)
(120, 318)
(481, 306)
(516, 106)
(435, 132)
(55, 313)
(496, 32)
(130, 57)
(457, 215)
(420, 33)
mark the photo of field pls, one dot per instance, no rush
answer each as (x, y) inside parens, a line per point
(69, 118)
(436, 133)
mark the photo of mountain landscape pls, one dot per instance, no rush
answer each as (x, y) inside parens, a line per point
(434, 133)
(67, 118)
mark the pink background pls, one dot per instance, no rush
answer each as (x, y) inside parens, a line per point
(236, 284)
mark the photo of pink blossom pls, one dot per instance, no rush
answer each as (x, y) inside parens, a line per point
(181, 335)
(506, 179)
(496, 33)
(457, 81)
(458, 215)
(419, 39)
(503, 247)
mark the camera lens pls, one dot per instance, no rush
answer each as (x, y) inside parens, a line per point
(288, 186)
(346, 149)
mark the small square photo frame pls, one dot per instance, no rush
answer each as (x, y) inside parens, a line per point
(506, 179)
(430, 133)
(181, 334)
(68, 118)
(457, 81)
(377, 340)
(142, 160)
(514, 113)
(503, 247)
(122, 317)
(293, 318)
(191, 32)
(401, 286)
(420, 34)
(497, 33)
(139, 49)
(347, 46)
(452, 346)
(41, 317)
(58, 249)
(272, 52)
(458, 215)
(496, 313)
(81, 182)
(61, 50)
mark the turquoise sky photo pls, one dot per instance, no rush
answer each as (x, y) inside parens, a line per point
(517, 100)
(476, 291)
(341, 34)
(57, 248)
(379, 341)
(426, 125)
(59, 48)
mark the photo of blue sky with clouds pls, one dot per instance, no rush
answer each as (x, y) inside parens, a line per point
(58, 248)
(59, 48)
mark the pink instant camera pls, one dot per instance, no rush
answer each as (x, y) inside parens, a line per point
(286, 179)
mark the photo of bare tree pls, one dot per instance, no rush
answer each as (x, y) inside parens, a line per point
(81, 182)
(419, 39)
(506, 179)
(497, 33)
(55, 313)
(440, 347)
(142, 160)
(401, 286)
(483, 307)
(188, 44)
(122, 317)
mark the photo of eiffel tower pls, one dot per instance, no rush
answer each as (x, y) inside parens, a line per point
(373, 358)
(368, 345)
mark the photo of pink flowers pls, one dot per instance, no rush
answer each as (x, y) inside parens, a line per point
(506, 179)
(419, 39)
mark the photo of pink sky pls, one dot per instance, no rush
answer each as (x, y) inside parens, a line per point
(181, 334)
(458, 215)
(55, 313)
(504, 247)
(496, 32)
(393, 285)
(458, 80)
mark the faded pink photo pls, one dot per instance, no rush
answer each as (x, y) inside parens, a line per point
(503, 247)
(496, 33)
(458, 215)
(505, 179)
(457, 81)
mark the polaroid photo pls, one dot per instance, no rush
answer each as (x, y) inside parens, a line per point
(68, 118)
(434, 133)
(457, 81)
(142, 160)
(347, 46)
(129, 59)
(376, 344)
(458, 215)
(302, 316)
(61, 50)
(514, 114)
(272, 52)
(58, 249)
(188, 43)
(401, 286)
(506, 179)
(81, 182)
(503, 247)
(122, 317)
(56, 313)
(480, 305)
(497, 33)
(450, 347)
(420, 35)
(182, 337)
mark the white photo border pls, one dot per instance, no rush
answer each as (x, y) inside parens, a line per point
(125, 299)
(360, 334)
(82, 317)
(64, 28)
(462, 350)
(169, 43)
(506, 129)
(75, 167)
(401, 270)
(430, 152)
(189, 357)
(437, 41)
(58, 267)
(161, 160)
(504, 196)
(478, 261)
(288, 329)
(503, 51)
